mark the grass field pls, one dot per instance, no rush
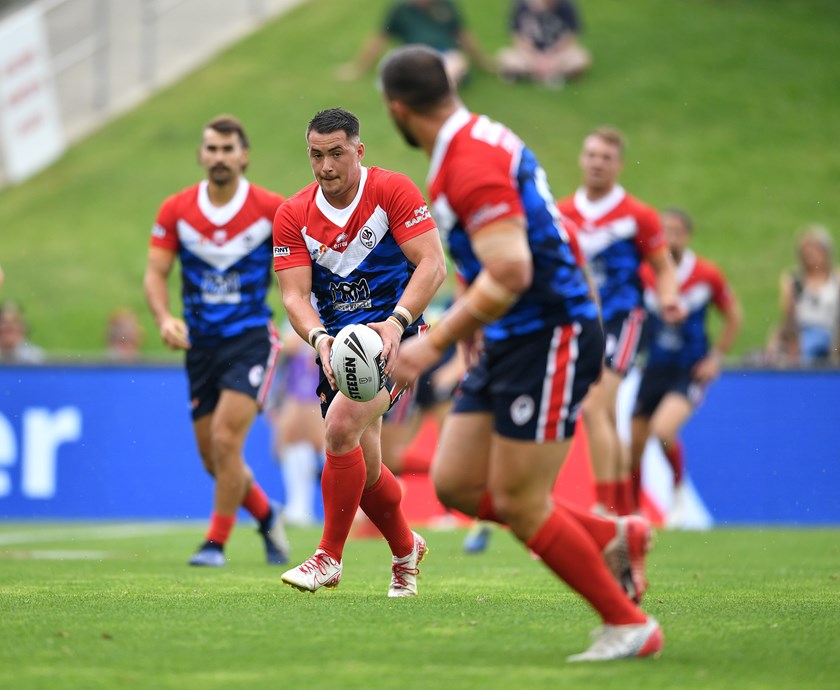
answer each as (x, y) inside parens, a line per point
(114, 605)
(730, 109)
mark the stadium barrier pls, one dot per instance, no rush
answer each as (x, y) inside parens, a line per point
(108, 442)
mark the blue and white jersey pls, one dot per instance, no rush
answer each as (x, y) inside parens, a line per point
(482, 172)
(359, 271)
(225, 255)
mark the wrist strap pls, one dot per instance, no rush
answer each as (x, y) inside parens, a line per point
(315, 336)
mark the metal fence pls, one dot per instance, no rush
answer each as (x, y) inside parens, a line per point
(109, 55)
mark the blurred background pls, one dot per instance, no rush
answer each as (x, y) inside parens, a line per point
(730, 110)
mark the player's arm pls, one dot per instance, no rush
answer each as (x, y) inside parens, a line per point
(667, 285)
(173, 331)
(296, 290)
(426, 254)
(708, 368)
(507, 271)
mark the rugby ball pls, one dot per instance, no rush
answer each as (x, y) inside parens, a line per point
(356, 362)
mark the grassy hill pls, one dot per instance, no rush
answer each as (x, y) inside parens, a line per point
(730, 109)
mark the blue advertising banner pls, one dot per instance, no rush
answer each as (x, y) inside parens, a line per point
(112, 442)
(107, 442)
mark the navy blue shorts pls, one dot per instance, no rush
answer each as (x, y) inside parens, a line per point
(245, 363)
(657, 382)
(533, 384)
(622, 337)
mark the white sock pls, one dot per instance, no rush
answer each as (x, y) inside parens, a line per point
(299, 470)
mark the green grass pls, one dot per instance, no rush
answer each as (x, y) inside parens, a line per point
(730, 109)
(740, 608)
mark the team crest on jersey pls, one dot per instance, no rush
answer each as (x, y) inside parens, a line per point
(522, 409)
(367, 237)
(350, 296)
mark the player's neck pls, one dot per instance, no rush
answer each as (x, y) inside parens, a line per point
(598, 193)
(221, 194)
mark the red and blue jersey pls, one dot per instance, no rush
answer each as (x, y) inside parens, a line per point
(359, 271)
(684, 344)
(225, 255)
(615, 234)
(482, 172)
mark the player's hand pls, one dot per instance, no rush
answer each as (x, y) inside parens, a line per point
(324, 348)
(391, 337)
(707, 369)
(415, 356)
(174, 333)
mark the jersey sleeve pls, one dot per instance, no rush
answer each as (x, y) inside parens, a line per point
(482, 192)
(407, 210)
(650, 237)
(289, 246)
(721, 293)
(571, 229)
(165, 229)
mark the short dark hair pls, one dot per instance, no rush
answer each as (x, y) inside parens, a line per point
(685, 219)
(415, 75)
(334, 120)
(228, 124)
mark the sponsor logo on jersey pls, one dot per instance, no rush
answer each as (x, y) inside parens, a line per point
(282, 251)
(350, 296)
(340, 241)
(220, 236)
(158, 231)
(420, 214)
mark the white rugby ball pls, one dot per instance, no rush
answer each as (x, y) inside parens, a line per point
(356, 362)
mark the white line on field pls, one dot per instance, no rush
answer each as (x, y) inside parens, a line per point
(90, 531)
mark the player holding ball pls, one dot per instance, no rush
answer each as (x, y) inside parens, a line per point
(357, 246)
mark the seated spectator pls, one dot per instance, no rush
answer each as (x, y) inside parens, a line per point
(438, 24)
(545, 43)
(810, 303)
(123, 336)
(14, 346)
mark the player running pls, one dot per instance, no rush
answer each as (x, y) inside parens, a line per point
(220, 230)
(679, 363)
(617, 232)
(502, 446)
(358, 245)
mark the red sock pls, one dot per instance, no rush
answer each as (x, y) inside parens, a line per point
(605, 494)
(486, 510)
(256, 502)
(567, 550)
(382, 503)
(220, 527)
(624, 503)
(601, 529)
(636, 479)
(676, 459)
(342, 483)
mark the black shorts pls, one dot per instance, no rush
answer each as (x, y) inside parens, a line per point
(244, 363)
(622, 337)
(657, 382)
(533, 384)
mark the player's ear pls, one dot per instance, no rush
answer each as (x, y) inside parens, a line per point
(360, 150)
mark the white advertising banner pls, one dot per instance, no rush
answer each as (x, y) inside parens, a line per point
(30, 125)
